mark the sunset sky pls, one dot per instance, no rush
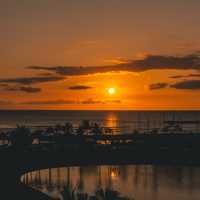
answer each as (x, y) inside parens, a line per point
(67, 54)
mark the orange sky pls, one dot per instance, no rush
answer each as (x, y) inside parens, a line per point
(148, 52)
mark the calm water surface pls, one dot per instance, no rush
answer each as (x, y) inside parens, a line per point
(126, 121)
(139, 182)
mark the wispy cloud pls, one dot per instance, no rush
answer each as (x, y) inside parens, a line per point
(79, 87)
(26, 89)
(2, 102)
(185, 76)
(94, 101)
(116, 61)
(50, 102)
(187, 85)
(150, 62)
(66, 102)
(182, 85)
(31, 80)
(156, 86)
(24, 84)
(177, 76)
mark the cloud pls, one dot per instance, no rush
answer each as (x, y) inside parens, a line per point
(150, 62)
(116, 61)
(31, 80)
(156, 86)
(185, 76)
(93, 101)
(187, 85)
(79, 87)
(113, 101)
(50, 102)
(23, 84)
(177, 76)
(23, 89)
(77, 71)
(3, 85)
(2, 102)
(182, 85)
(45, 74)
(193, 75)
(65, 102)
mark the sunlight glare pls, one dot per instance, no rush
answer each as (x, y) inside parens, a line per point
(111, 90)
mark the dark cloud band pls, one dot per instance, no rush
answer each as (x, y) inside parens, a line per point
(22, 89)
(31, 80)
(187, 85)
(79, 87)
(151, 62)
(185, 76)
(157, 86)
(65, 102)
(182, 85)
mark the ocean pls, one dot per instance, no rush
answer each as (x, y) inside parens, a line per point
(122, 121)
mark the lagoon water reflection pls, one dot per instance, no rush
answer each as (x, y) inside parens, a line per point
(146, 182)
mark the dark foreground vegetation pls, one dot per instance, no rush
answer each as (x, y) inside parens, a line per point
(99, 194)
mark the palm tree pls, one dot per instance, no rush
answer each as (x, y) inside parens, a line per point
(97, 130)
(86, 124)
(21, 137)
(68, 128)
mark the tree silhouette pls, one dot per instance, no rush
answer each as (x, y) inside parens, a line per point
(21, 137)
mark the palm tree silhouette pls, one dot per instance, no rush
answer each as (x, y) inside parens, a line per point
(21, 137)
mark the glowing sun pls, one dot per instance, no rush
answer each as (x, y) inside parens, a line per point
(111, 90)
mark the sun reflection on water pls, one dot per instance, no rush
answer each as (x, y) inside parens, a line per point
(112, 122)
